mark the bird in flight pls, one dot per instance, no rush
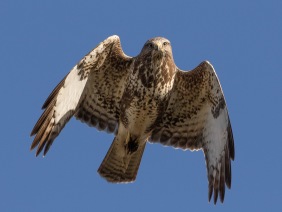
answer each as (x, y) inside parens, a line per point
(143, 99)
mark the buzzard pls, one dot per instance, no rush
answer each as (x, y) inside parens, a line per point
(140, 99)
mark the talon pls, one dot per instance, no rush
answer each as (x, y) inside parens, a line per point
(131, 145)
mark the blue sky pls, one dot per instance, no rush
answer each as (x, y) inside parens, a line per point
(40, 41)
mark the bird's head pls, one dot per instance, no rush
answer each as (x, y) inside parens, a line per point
(157, 46)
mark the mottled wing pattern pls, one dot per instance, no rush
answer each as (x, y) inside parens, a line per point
(197, 118)
(100, 105)
(91, 91)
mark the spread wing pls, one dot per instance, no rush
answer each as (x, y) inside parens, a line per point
(197, 118)
(91, 91)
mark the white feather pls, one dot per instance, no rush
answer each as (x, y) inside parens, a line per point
(69, 95)
(215, 134)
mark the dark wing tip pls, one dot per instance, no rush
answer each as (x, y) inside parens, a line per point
(222, 194)
(222, 182)
(210, 191)
(231, 142)
(220, 179)
(44, 118)
(47, 146)
(216, 188)
(45, 123)
(48, 106)
(54, 93)
(228, 177)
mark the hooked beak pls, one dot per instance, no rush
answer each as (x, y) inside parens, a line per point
(157, 47)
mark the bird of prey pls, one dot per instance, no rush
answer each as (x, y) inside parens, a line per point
(143, 99)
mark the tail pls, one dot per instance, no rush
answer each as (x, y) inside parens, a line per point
(121, 165)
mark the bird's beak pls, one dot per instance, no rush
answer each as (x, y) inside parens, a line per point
(158, 47)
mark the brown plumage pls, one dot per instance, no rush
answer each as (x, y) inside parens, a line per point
(140, 99)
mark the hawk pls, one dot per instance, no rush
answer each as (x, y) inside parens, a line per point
(143, 99)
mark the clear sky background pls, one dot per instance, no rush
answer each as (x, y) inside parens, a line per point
(40, 41)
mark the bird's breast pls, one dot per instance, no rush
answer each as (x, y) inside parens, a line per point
(145, 97)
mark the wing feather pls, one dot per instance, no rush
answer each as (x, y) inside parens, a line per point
(76, 90)
(53, 95)
(197, 118)
(100, 106)
(42, 120)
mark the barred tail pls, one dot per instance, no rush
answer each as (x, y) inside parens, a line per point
(119, 165)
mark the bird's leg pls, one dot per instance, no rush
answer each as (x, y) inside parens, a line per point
(131, 147)
(131, 144)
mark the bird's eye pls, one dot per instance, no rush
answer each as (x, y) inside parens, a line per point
(165, 43)
(150, 45)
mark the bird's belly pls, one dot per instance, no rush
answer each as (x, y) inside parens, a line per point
(142, 104)
(141, 115)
